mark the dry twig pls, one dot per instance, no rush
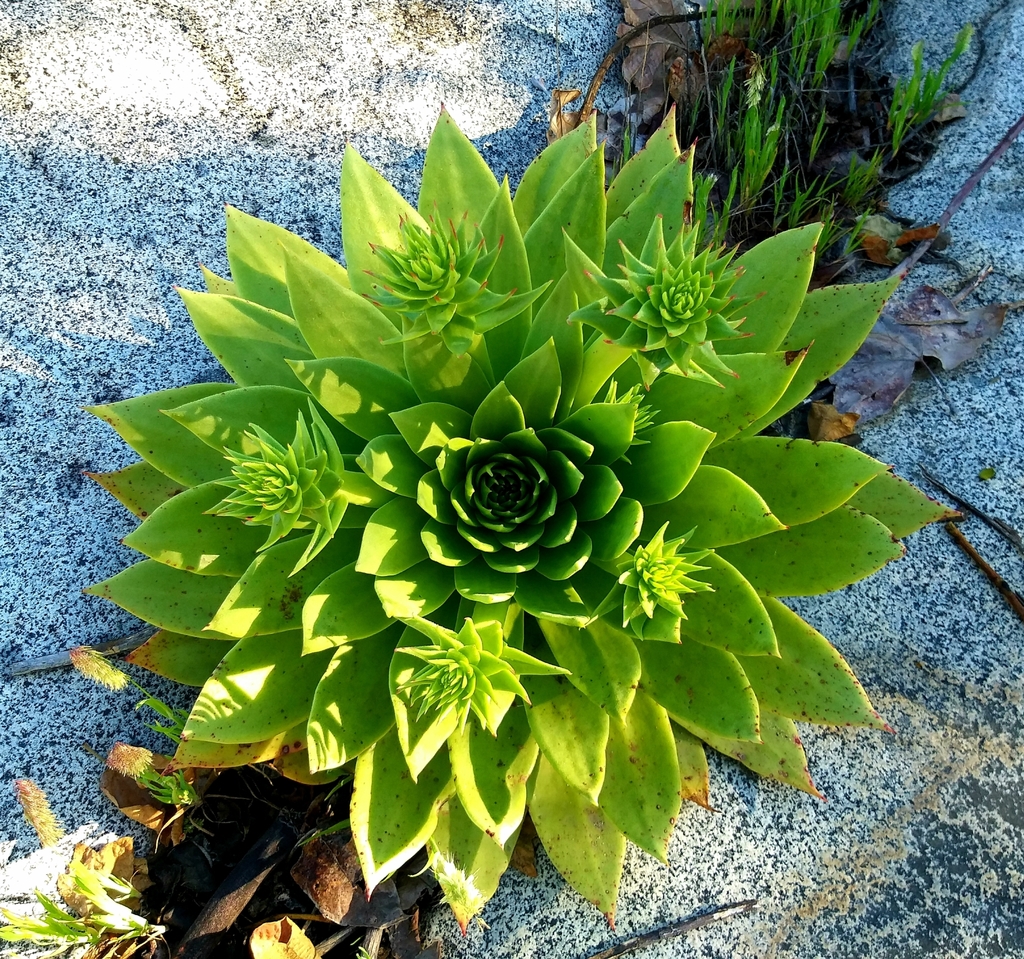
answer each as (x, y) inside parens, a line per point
(1004, 529)
(114, 647)
(678, 929)
(1008, 592)
(902, 269)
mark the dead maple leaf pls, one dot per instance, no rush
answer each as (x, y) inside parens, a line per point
(926, 324)
(562, 121)
(281, 940)
(826, 424)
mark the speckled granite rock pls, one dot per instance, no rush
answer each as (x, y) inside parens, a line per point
(124, 124)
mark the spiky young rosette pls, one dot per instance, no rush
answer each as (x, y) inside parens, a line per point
(297, 486)
(670, 306)
(437, 281)
(459, 642)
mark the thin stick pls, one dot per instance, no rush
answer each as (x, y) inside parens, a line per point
(342, 935)
(1002, 528)
(620, 45)
(678, 929)
(902, 269)
(114, 647)
(1007, 592)
(371, 944)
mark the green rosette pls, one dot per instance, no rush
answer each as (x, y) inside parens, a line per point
(458, 526)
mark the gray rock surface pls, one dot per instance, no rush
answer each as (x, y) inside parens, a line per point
(125, 123)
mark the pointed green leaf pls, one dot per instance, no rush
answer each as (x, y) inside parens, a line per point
(579, 209)
(780, 756)
(718, 506)
(732, 617)
(561, 562)
(798, 479)
(445, 545)
(811, 682)
(602, 661)
(188, 660)
(612, 535)
(439, 376)
(637, 173)
(551, 171)
(546, 599)
(262, 687)
(608, 427)
(222, 420)
(170, 598)
(389, 462)
(391, 814)
(140, 488)
(256, 254)
(641, 792)
(499, 414)
(511, 274)
(251, 342)
(669, 196)
(659, 469)
(416, 592)
(899, 505)
(160, 441)
(356, 392)
(761, 378)
(197, 753)
(831, 325)
(701, 685)
(693, 766)
(774, 279)
(550, 323)
(371, 214)
(571, 730)
(817, 557)
(342, 609)
(456, 180)
(429, 426)
(391, 541)
(334, 321)
(217, 284)
(349, 714)
(463, 843)
(491, 773)
(180, 534)
(536, 382)
(268, 598)
(580, 840)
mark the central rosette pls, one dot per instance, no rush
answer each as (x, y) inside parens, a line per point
(511, 497)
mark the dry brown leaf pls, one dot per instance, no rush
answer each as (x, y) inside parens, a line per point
(826, 424)
(116, 859)
(562, 121)
(523, 854)
(878, 239)
(281, 940)
(723, 49)
(328, 872)
(926, 324)
(951, 107)
(918, 233)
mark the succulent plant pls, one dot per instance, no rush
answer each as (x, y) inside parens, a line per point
(506, 567)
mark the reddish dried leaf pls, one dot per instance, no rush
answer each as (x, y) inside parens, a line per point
(562, 121)
(918, 233)
(328, 872)
(404, 940)
(523, 856)
(879, 250)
